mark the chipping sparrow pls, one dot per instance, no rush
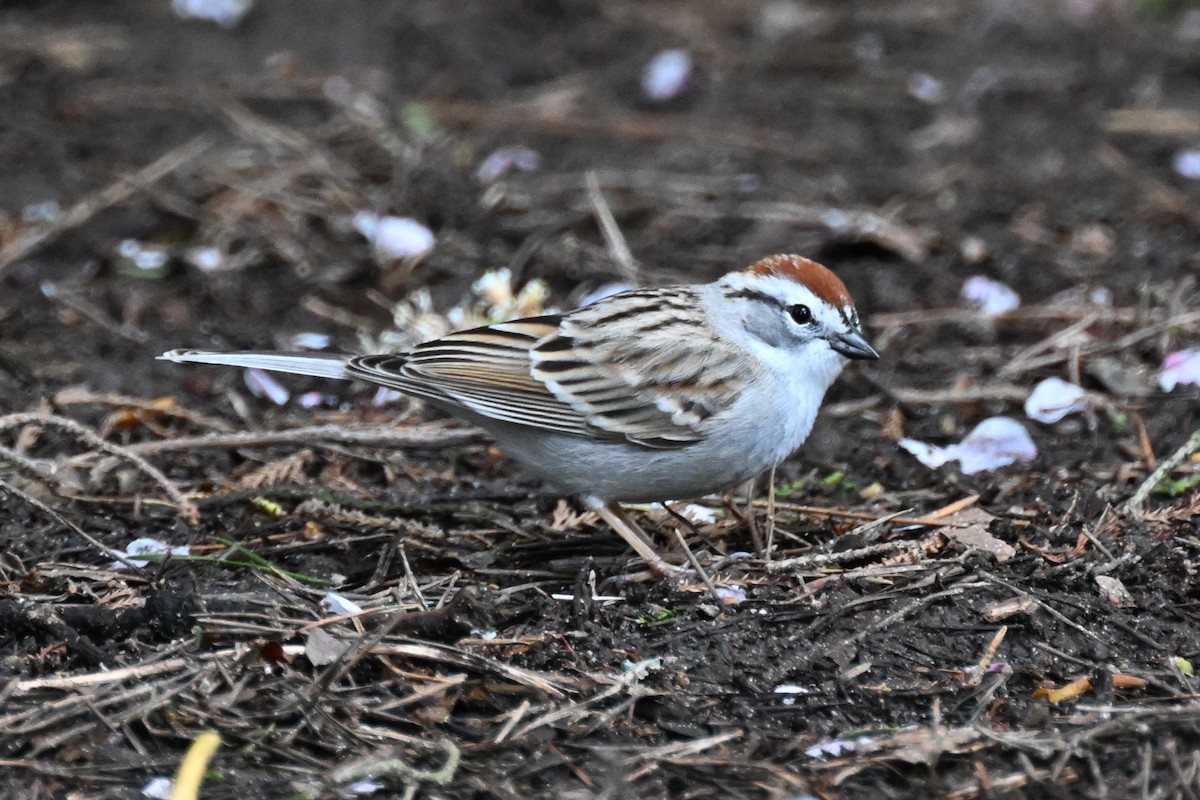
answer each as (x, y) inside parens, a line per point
(646, 395)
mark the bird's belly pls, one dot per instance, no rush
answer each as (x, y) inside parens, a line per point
(631, 473)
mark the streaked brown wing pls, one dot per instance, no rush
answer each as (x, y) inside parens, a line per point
(655, 377)
(485, 370)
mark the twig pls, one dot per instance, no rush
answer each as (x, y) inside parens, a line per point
(911, 243)
(77, 395)
(651, 757)
(712, 589)
(1017, 365)
(971, 394)
(1192, 445)
(373, 767)
(1182, 123)
(44, 470)
(989, 653)
(185, 507)
(88, 207)
(618, 248)
(929, 519)
(815, 559)
(317, 436)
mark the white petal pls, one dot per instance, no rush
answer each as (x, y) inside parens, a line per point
(226, 13)
(145, 546)
(310, 341)
(261, 384)
(926, 88)
(731, 595)
(341, 605)
(667, 75)
(994, 443)
(394, 238)
(991, 297)
(1187, 164)
(158, 789)
(930, 455)
(510, 158)
(1053, 399)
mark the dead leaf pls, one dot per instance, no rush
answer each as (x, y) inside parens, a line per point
(1115, 592)
(321, 649)
(1071, 691)
(969, 528)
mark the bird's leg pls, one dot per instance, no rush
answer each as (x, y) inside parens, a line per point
(628, 530)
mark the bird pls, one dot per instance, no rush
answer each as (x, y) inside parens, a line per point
(647, 395)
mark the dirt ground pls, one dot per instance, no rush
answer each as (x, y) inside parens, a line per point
(912, 632)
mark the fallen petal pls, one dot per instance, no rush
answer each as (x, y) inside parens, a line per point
(311, 341)
(930, 455)
(510, 158)
(322, 649)
(697, 514)
(1114, 591)
(1053, 399)
(312, 399)
(1180, 367)
(991, 297)
(341, 605)
(393, 238)
(731, 595)
(261, 384)
(667, 75)
(1187, 164)
(384, 396)
(158, 789)
(994, 443)
(226, 13)
(833, 748)
(136, 551)
(926, 88)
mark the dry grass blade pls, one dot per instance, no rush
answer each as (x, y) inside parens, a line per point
(554, 686)
(1175, 122)
(618, 248)
(1138, 500)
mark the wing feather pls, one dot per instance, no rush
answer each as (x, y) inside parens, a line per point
(636, 367)
(484, 370)
(658, 382)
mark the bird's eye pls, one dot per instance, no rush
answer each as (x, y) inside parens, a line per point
(801, 315)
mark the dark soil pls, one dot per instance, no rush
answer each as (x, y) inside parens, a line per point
(503, 654)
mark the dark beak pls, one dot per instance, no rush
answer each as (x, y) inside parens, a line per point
(852, 345)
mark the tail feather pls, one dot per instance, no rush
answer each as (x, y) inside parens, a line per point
(314, 364)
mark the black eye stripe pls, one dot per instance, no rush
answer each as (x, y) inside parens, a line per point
(750, 294)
